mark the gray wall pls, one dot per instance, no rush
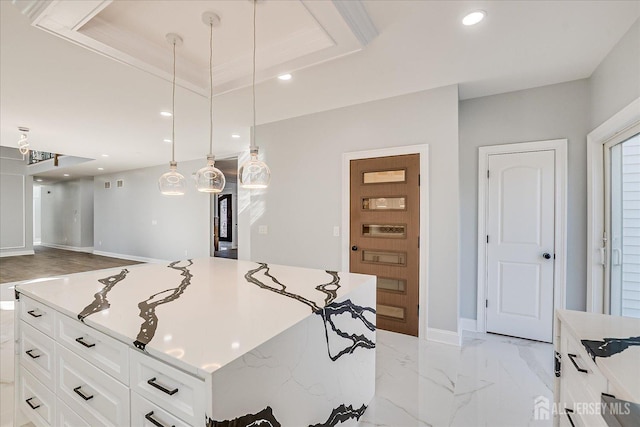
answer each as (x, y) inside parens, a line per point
(550, 112)
(67, 214)
(303, 202)
(136, 220)
(616, 81)
(16, 204)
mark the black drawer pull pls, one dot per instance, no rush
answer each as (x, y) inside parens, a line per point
(571, 357)
(34, 314)
(29, 352)
(152, 382)
(153, 421)
(84, 343)
(81, 394)
(31, 404)
(569, 412)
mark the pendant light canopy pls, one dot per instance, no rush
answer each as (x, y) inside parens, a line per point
(172, 183)
(253, 173)
(210, 179)
(23, 142)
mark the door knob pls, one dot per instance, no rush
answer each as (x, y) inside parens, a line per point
(546, 255)
(354, 248)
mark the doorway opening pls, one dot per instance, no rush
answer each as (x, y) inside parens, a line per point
(224, 213)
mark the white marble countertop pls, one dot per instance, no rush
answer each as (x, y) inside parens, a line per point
(621, 368)
(209, 311)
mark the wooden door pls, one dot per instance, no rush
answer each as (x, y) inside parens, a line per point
(520, 244)
(385, 226)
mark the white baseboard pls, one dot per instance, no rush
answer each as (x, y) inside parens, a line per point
(465, 324)
(87, 249)
(16, 253)
(37, 242)
(131, 257)
(442, 336)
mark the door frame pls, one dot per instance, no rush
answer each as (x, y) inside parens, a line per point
(559, 146)
(620, 125)
(423, 254)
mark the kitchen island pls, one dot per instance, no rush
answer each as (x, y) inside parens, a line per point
(597, 370)
(211, 341)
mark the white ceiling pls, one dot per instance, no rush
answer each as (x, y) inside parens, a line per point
(80, 102)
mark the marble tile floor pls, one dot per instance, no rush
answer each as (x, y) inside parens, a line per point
(490, 381)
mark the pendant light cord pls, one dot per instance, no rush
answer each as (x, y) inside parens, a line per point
(253, 82)
(173, 108)
(211, 89)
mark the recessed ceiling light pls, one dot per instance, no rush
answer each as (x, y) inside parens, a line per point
(166, 113)
(66, 174)
(105, 155)
(474, 17)
(235, 135)
(167, 140)
(100, 169)
(39, 180)
(285, 76)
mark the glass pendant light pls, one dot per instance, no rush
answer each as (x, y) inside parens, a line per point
(23, 142)
(172, 183)
(210, 179)
(254, 173)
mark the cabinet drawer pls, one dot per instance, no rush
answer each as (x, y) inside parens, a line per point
(95, 396)
(579, 367)
(105, 352)
(37, 402)
(37, 354)
(178, 392)
(147, 414)
(65, 417)
(37, 315)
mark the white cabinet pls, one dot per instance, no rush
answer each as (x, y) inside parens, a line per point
(583, 378)
(69, 374)
(95, 396)
(179, 393)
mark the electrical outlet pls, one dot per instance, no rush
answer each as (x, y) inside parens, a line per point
(336, 231)
(263, 229)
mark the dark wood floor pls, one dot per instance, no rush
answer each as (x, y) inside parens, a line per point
(228, 253)
(53, 262)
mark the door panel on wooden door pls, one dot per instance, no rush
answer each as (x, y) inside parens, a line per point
(520, 244)
(385, 212)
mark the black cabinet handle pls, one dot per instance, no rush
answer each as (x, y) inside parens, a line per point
(153, 421)
(29, 352)
(31, 404)
(84, 343)
(33, 313)
(81, 394)
(572, 358)
(152, 382)
(569, 412)
(546, 255)
(354, 248)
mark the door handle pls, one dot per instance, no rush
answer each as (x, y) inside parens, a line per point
(546, 255)
(354, 248)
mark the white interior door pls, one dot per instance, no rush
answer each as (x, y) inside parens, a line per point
(520, 244)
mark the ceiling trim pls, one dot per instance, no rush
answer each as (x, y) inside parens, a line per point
(344, 27)
(358, 20)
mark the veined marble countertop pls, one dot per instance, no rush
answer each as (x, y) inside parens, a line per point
(198, 314)
(613, 342)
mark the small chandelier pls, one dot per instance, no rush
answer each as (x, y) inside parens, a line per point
(254, 173)
(23, 142)
(172, 183)
(210, 179)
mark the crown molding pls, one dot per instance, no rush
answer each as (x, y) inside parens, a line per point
(358, 20)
